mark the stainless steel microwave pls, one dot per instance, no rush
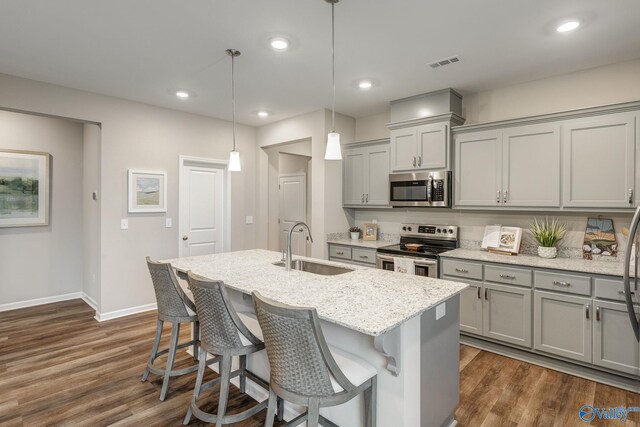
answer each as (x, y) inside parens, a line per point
(421, 189)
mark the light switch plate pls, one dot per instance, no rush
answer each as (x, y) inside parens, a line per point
(441, 310)
(124, 224)
(168, 223)
(249, 219)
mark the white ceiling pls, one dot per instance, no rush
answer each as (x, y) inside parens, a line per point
(144, 49)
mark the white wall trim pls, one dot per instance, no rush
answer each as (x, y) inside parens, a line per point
(40, 301)
(101, 317)
(182, 160)
(90, 301)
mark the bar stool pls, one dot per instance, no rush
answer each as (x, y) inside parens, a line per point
(225, 335)
(176, 308)
(305, 370)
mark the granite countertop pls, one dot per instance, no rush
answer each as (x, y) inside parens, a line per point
(371, 244)
(367, 300)
(609, 268)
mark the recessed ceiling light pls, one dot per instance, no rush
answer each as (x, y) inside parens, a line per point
(568, 26)
(263, 114)
(365, 84)
(183, 94)
(279, 43)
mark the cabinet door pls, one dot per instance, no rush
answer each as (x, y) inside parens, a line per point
(599, 161)
(354, 176)
(377, 175)
(478, 172)
(506, 314)
(471, 308)
(614, 343)
(563, 325)
(403, 150)
(531, 166)
(433, 141)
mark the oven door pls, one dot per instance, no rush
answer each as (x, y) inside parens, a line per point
(424, 267)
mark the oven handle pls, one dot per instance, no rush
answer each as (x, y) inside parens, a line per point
(418, 261)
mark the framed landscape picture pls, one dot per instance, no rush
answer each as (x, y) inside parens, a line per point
(147, 191)
(24, 188)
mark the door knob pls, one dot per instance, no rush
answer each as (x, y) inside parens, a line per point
(185, 237)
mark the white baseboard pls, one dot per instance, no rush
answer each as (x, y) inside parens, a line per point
(40, 301)
(101, 317)
(90, 301)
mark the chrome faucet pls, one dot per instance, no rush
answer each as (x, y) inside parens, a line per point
(287, 262)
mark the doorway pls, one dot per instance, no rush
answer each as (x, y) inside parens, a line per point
(292, 194)
(203, 207)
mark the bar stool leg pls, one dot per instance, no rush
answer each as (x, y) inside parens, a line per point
(271, 409)
(225, 374)
(313, 413)
(280, 409)
(370, 403)
(154, 349)
(175, 334)
(196, 338)
(202, 366)
(243, 375)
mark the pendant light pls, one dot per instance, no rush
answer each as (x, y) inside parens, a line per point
(234, 155)
(333, 151)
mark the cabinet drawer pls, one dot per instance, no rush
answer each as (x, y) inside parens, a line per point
(342, 252)
(508, 275)
(569, 283)
(367, 256)
(469, 270)
(609, 289)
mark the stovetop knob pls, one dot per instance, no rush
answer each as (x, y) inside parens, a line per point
(404, 228)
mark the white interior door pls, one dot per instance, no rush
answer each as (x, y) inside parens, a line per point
(292, 191)
(202, 208)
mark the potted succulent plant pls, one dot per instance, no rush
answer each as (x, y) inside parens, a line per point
(355, 233)
(548, 234)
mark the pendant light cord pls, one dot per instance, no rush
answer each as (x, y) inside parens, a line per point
(233, 99)
(333, 66)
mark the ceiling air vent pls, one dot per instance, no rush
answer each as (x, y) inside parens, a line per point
(443, 62)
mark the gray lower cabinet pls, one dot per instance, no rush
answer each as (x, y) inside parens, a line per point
(563, 325)
(471, 308)
(614, 344)
(506, 314)
(352, 254)
(366, 174)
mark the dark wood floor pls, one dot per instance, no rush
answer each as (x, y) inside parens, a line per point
(58, 366)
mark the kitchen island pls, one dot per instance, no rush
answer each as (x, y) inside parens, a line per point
(406, 326)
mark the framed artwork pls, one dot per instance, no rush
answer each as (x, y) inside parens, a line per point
(24, 188)
(370, 232)
(147, 191)
(599, 238)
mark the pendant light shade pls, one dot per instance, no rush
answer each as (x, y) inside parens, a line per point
(333, 150)
(234, 155)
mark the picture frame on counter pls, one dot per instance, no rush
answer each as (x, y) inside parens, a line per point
(502, 240)
(24, 188)
(370, 232)
(147, 191)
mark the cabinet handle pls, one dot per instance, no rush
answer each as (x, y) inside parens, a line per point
(498, 197)
(507, 276)
(340, 253)
(486, 294)
(631, 196)
(587, 310)
(598, 313)
(462, 270)
(479, 297)
(622, 293)
(506, 196)
(563, 284)
(362, 197)
(414, 161)
(367, 198)
(364, 256)
(419, 160)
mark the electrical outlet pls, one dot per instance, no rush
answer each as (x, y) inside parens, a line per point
(168, 223)
(124, 224)
(249, 220)
(441, 310)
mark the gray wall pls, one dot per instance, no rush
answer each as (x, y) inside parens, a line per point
(39, 262)
(91, 213)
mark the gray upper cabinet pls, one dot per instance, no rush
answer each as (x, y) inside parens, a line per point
(507, 314)
(478, 171)
(366, 174)
(563, 325)
(420, 148)
(531, 166)
(599, 161)
(614, 344)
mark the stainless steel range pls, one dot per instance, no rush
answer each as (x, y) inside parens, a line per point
(421, 243)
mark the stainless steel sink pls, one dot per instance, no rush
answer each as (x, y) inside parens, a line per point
(315, 267)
